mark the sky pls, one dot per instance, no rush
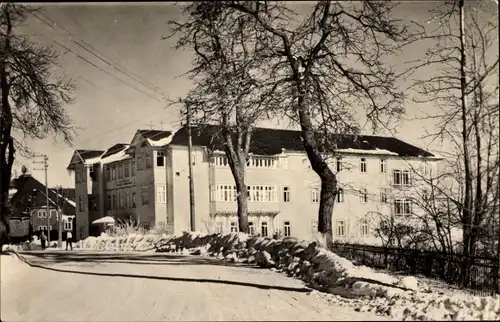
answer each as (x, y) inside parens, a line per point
(109, 111)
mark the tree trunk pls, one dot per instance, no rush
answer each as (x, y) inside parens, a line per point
(242, 202)
(6, 142)
(319, 165)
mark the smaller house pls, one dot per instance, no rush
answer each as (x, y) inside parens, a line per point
(29, 201)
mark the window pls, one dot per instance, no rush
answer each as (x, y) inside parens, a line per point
(251, 228)
(383, 166)
(383, 195)
(363, 165)
(401, 177)
(402, 207)
(120, 199)
(40, 228)
(41, 214)
(364, 196)
(68, 225)
(120, 170)
(145, 195)
(127, 198)
(262, 194)
(133, 199)
(160, 159)
(287, 229)
(126, 169)
(218, 227)
(339, 164)
(140, 162)
(263, 228)
(284, 163)
(262, 162)
(234, 227)
(113, 172)
(132, 168)
(315, 195)
(108, 173)
(81, 206)
(220, 160)
(340, 228)
(108, 204)
(363, 227)
(78, 175)
(149, 159)
(286, 194)
(113, 196)
(425, 195)
(340, 195)
(225, 193)
(161, 194)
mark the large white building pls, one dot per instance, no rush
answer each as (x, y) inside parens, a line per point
(148, 181)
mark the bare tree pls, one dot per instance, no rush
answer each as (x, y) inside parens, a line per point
(465, 89)
(32, 97)
(230, 89)
(328, 65)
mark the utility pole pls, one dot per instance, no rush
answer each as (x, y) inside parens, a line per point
(59, 216)
(191, 180)
(47, 211)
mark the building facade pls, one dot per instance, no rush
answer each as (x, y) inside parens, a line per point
(148, 181)
(29, 200)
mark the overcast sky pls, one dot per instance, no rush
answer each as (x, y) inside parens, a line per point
(109, 111)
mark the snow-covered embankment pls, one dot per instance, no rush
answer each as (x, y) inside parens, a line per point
(336, 277)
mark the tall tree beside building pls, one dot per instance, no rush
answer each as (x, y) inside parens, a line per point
(32, 98)
(465, 91)
(327, 63)
(230, 88)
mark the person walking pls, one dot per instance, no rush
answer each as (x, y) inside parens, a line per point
(43, 239)
(69, 240)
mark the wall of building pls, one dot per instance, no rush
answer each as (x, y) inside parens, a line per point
(353, 214)
(81, 191)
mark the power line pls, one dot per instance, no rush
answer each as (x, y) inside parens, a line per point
(85, 45)
(94, 65)
(109, 58)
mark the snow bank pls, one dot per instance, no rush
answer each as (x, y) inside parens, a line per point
(404, 298)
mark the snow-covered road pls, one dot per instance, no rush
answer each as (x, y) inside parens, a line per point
(98, 286)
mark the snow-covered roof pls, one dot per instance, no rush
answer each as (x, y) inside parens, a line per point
(161, 142)
(376, 151)
(122, 155)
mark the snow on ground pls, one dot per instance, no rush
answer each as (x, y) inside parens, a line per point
(368, 290)
(99, 286)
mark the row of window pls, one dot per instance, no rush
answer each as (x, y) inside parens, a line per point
(67, 225)
(340, 228)
(221, 160)
(125, 198)
(43, 214)
(255, 193)
(263, 231)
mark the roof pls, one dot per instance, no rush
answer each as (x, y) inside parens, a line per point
(83, 155)
(89, 154)
(114, 149)
(267, 141)
(26, 184)
(155, 135)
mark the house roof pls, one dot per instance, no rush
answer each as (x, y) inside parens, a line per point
(83, 155)
(89, 154)
(25, 184)
(114, 149)
(267, 141)
(155, 135)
